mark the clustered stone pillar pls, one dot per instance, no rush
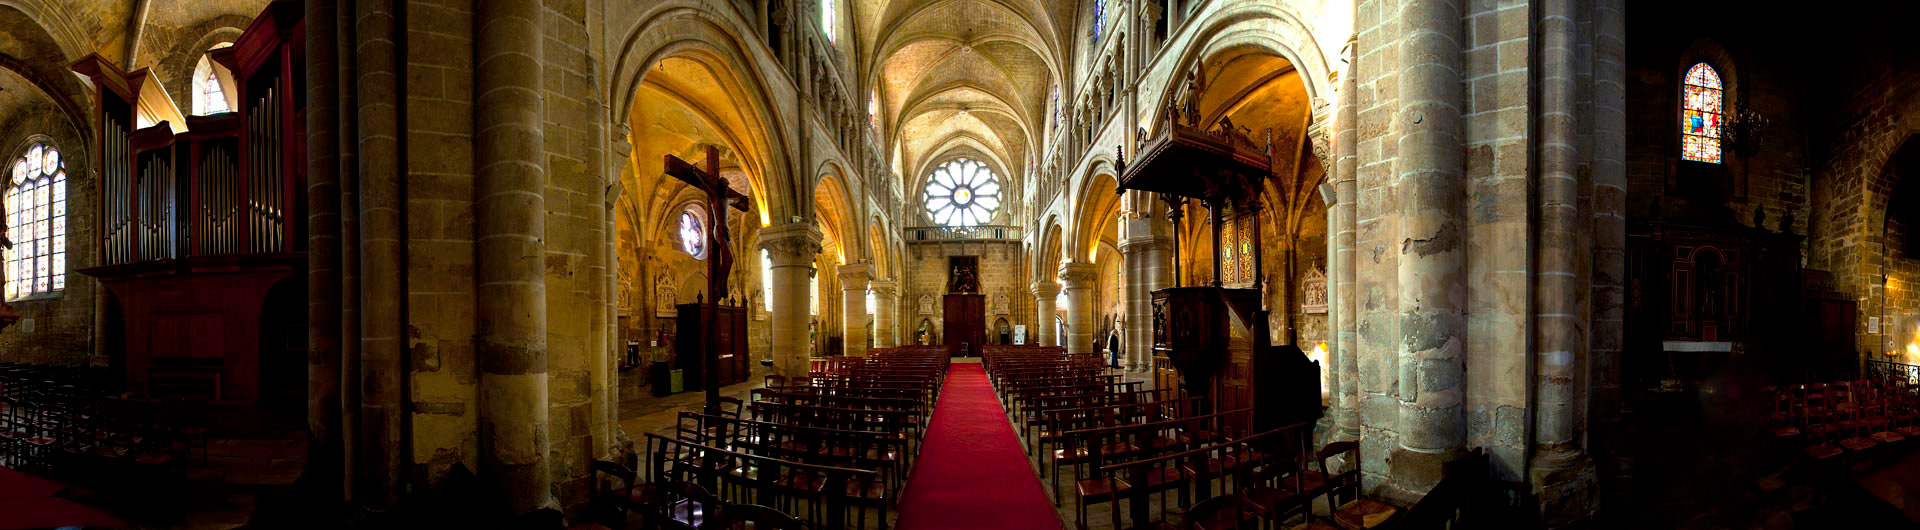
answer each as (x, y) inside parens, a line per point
(1044, 295)
(1346, 345)
(1144, 254)
(885, 302)
(1079, 279)
(791, 248)
(510, 219)
(325, 454)
(1432, 268)
(380, 455)
(853, 311)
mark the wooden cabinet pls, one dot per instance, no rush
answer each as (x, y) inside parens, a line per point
(730, 343)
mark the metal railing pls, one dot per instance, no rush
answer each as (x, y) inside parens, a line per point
(921, 234)
(1893, 370)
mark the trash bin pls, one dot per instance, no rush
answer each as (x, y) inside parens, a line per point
(679, 381)
(659, 377)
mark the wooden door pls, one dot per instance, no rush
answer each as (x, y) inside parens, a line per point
(966, 323)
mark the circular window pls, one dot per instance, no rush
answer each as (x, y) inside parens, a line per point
(693, 233)
(963, 193)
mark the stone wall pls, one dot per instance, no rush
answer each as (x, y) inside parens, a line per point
(57, 328)
(925, 274)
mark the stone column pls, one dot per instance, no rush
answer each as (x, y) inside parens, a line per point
(510, 222)
(886, 300)
(382, 461)
(1079, 279)
(324, 446)
(1609, 245)
(1432, 268)
(1341, 275)
(792, 248)
(1044, 312)
(853, 311)
(1560, 470)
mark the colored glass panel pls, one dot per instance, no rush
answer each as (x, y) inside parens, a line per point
(36, 223)
(1702, 115)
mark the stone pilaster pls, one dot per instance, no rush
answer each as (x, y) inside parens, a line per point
(1341, 224)
(1432, 269)
(886, 300)
(1044, 294)
(792, 248)
(1079, 280)
(853, 312)
(510, 222)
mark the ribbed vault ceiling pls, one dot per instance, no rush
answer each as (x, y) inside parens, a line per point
(962, 75)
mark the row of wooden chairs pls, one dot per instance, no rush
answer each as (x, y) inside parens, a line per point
(70, 430)
(1845, 418)
(833, 447)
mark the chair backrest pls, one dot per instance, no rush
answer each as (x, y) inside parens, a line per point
(756, 516)
(1348, 478)
(1222, 512)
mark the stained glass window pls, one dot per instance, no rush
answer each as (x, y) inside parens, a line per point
(1099, 17)
(209, 94)
(963, 193)
(873, 108)
(826, 18)
(37, 224)
(1702, 115)
(693, 234)
(766, 279)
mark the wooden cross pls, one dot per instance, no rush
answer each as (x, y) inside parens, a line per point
(720, 251)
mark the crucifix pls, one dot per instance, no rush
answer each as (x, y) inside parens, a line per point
(707, 179)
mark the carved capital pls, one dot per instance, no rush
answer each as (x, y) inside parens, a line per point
(1320, 138)
(1078, 275)
(854, 276)
(1046, 290)
(791, 245)
(884, 289)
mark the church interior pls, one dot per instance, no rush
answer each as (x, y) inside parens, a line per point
(1087, 264)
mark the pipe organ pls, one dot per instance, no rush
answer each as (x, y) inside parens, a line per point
(199, 230)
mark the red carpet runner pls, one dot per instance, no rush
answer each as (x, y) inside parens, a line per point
(972, 472)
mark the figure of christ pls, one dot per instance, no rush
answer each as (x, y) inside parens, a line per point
(720, 245)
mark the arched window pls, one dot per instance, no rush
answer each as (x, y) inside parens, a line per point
(693, 233)
(1702, 115)
(813, 294)
(1099, 17)
(766, 279)
(873, 303)
(827, 22)
(873, 108)
(211, 88)
(962, 193)
(37, 223)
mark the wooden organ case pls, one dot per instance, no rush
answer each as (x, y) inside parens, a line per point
(1216, 337)
(198, 228)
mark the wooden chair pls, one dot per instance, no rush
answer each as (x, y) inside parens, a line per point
(741, 516)
(681, 505)
(1355, 512)
(1225, 512)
